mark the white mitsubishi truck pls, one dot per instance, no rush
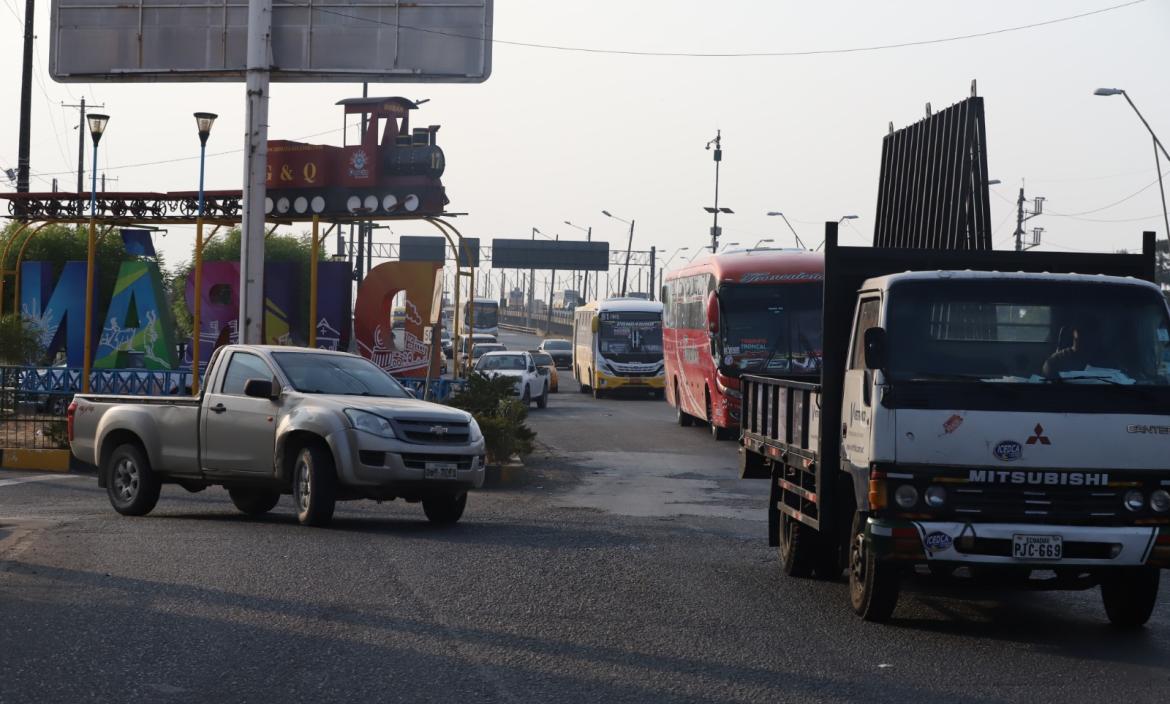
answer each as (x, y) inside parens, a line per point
(321, 426)
(979, 416)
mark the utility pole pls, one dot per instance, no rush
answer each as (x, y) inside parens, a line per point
(1023, 216)
(715, 231)
(81, 132)
(25, 136)
(112, 178)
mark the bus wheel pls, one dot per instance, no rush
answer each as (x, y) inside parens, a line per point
(581, 385)
(683, 418)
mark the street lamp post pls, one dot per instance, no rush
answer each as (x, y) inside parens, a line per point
(97, 127)
(840, 220)
(799, 243)
(671, 259)
(588, 238)
(757, 244)
(629, 246)
(203, 122)
(729, 245)
(1157, 145)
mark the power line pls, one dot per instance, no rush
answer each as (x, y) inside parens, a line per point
(1136, 193)
(734, 55)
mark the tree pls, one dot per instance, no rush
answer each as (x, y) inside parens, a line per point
(20, 341)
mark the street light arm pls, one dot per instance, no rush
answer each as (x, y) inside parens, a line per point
(1157, 142)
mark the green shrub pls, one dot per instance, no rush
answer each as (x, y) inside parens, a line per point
(20, 341)
(500, 416)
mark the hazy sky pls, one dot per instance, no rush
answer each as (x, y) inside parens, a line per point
(556, 136)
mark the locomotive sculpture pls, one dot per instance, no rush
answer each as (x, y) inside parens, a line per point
(392, 170)
(398, 175)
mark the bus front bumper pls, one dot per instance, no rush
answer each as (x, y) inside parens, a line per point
(609, 382)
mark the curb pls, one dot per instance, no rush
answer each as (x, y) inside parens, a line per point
(60, 461)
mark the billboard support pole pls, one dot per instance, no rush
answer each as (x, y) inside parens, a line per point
(255, 163)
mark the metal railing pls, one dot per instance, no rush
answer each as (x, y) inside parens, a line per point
(31, 418)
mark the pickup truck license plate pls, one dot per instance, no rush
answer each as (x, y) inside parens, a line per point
(1037, 547)
(439, 470)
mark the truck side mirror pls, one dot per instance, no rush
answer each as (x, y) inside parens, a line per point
(261, 388)
(875, 348)
(713, 314)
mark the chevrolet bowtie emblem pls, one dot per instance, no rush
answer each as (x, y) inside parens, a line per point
(439, 429)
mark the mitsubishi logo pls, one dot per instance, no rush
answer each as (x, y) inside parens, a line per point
(442, 430)
(1039, 437)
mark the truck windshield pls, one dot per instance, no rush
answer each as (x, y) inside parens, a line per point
(627, 336)
(771, 328)
(1027, 332)
(337, 374)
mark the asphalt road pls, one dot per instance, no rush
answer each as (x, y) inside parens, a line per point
(624, 563)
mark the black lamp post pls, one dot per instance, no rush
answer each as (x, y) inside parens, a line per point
(204, 121)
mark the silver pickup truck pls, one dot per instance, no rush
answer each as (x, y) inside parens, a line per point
(322, 426)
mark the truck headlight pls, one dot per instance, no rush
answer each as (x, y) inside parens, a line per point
(370, 423)
(1134, 500)
(474, 433)
(936, 496)
(1160, 501)
(906, 496)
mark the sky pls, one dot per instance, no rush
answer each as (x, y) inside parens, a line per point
(559, 135)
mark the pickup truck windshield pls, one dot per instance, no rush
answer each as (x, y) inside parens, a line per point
(1032, 332)
(772, 328)
(335, 374)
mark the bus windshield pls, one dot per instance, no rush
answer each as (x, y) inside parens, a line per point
(1028, 332)
(771, 329)
(486, 315)
(630, 337)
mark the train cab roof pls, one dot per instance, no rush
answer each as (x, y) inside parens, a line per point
(386, 106)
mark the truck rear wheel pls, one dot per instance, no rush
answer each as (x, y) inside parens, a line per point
(254, 502)
(445, 510)
(873, 585)
(314, 485)
(131, 484)
(797, 547)
(1130, 595)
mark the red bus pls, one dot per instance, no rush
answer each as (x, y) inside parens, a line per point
(754, 312)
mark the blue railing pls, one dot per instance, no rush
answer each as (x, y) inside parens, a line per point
(441, 389)
(125, 382)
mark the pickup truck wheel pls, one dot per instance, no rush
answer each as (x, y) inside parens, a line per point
(131, 484)
(527, 398)
(873, 585)
(1130, 595)
(797, 542)
(254, 502)
(542, 402)
(445, 510)
(314, 486)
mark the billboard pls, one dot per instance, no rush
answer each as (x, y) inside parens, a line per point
(547, 254)
(382, 41)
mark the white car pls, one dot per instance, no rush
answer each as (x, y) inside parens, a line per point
(532, 382)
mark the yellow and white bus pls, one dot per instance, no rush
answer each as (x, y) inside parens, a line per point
(617, 345)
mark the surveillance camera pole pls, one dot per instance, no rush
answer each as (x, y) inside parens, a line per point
(715, 215)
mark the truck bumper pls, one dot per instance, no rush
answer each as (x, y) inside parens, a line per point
(992, 543)
(365, 460)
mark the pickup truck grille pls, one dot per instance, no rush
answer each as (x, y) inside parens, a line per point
(1066, 505)
(429, 432)
(419, 461)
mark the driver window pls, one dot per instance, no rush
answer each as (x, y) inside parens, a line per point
(241, 367)
(868, 312)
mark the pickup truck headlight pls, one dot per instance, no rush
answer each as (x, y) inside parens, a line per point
(370, 423)
(474, 434)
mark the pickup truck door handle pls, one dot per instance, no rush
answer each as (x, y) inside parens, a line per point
(218, 408)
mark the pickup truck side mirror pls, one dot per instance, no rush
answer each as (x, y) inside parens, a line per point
(261, 388)
(875, 348)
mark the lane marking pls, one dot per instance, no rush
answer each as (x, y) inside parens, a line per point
(38, 478)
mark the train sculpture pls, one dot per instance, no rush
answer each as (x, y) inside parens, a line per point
(392, 169)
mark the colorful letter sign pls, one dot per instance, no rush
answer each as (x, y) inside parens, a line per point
(372, 315)
(138, 321)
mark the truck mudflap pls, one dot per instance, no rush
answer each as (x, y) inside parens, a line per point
(1037, 546)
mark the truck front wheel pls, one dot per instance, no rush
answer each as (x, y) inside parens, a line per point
(873, 585)
(254, 502)
(314, 486)
(131, 484)
(1130, 595)
(445, 510)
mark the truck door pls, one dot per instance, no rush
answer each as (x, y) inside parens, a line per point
(857, 400)
(239, 432)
